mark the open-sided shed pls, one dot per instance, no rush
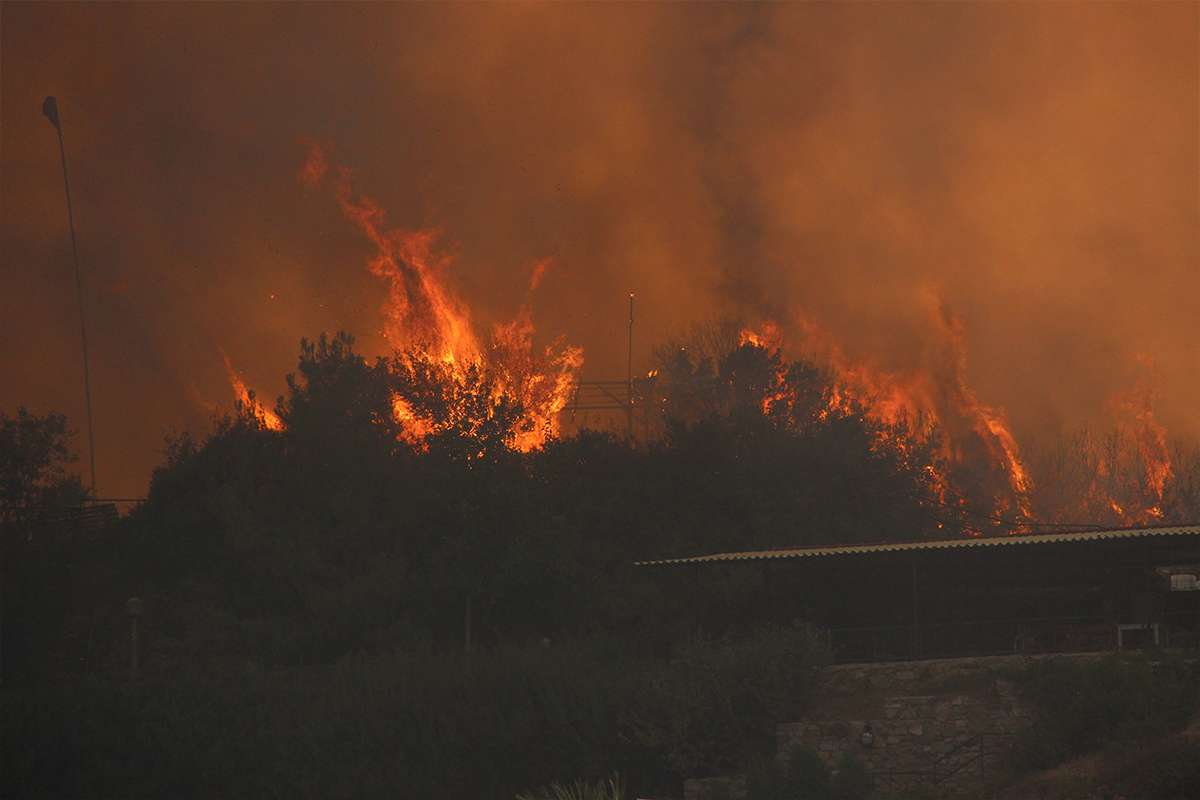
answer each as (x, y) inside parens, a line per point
(1088, 590)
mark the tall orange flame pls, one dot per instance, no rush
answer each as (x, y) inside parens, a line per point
(922, 401)
(1118, 479)
(266, 417)
(1151, 469)
(423, 314)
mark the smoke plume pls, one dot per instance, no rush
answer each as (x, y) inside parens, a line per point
(1030, 167)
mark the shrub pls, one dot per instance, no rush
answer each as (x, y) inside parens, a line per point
(913, 793)
(716, 703)
(766, 780)
(1083, 706)
(807, 775)
(852, 780)
(611, 789)
(802, 775)
(436, 725)
(1169, 770)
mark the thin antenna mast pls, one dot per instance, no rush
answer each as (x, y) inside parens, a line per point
(629, 369)
(50, 109)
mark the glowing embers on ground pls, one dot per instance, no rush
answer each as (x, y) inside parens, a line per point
(431, 335)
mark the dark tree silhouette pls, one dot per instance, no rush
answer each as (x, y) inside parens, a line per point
(34, 456)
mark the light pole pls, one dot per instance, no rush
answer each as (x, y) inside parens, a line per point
(50, 109)
(133, 608)
(629, 371)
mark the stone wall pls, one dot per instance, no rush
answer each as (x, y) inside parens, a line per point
(911, 735)
(909, 731)
(919, 712)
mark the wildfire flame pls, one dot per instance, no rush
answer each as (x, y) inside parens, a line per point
(1150, 470)
(922, 402)
(768, 336)
(266, 417)
(423, 316)
(934, 404)
(1125, 475)
(1151, 435)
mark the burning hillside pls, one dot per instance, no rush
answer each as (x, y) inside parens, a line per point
(974, 459)
(1120, 479)
(431, 332)
(249, 401)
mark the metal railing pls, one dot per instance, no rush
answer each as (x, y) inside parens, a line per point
(1033, 635)
(972, 752)
(83, 521)
(970, 755)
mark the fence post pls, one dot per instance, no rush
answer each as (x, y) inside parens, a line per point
(983, 761)
(915, 644)
(467, 626)
(133, 607)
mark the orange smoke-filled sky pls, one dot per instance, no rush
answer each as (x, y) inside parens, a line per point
(1033, 166)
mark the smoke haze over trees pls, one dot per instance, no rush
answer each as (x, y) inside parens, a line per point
(902, 271)
(1033, 165)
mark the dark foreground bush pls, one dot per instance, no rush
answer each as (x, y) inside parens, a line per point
(1082, 706)
(611, 789)
(715, 704)
(1167, 770)
(852, 781)
(801, 775)
(398, 726)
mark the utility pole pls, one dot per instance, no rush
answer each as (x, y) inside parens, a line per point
(467, 626)
(50, 109)
(606, 395)
(629, 370)
(133, 608)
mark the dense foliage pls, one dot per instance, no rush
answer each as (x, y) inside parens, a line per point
(309, 591)
(34, 456)
(610, 789)
(423, 726)
(37, 574)
(1083, 706)
(1167, 770)
(802, 773)
(339, 534)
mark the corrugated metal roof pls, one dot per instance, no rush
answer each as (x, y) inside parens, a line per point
(933, 544)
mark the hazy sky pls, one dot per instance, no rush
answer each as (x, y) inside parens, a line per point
(1034, 166)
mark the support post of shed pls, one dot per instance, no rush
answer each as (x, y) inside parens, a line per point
(467, 626)
(766, 574)
(915, 644)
